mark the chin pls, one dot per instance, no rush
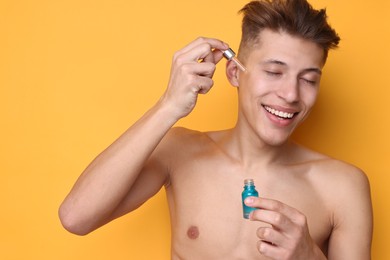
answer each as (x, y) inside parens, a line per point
(276, 142)
(276, 139)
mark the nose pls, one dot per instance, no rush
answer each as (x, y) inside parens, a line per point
(289, 91)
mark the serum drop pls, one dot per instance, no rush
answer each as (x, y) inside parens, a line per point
(249, 191)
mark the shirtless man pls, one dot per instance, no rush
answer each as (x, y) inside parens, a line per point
(310, 206)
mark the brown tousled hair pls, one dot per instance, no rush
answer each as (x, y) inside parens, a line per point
(295, 17)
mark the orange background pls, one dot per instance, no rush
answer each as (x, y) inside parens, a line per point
(75, 74)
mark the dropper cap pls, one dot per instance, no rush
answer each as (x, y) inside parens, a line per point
(229, 54)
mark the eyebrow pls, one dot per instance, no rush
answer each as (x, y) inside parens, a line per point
(278, 62)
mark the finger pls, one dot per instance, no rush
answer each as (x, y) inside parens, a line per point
(269, 250)
(276, 219)
(270, 235)
(202, 52)
(214, 43)
(204, 85)
(215, 56)
(203, 69)
(276, 206)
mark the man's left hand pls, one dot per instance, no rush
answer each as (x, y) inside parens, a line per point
(288, 236)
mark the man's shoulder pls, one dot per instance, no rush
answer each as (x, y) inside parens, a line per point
(332, 172)
(181, 136)
(338, 171)
(186, 136)
(185, 140)
(337, 180)
(325, 163)
(179, 132)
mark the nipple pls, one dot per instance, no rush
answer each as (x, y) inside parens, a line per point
(193, 232)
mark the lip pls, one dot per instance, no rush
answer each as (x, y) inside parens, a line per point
(277, 120)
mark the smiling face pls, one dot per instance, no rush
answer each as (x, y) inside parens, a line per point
(280, 86)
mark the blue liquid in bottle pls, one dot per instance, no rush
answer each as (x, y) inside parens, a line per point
(249, 191)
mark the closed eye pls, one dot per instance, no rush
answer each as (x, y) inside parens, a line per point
(310, 82)
(272, 73)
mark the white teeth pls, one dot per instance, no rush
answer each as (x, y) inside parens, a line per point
(279, 113)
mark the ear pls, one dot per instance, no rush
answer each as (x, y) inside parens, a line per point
(232, 73)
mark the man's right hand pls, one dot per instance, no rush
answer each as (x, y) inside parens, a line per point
(191, 74)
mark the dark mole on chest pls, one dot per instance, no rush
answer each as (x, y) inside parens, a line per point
(193, 232)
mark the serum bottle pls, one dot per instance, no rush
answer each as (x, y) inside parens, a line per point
(249, 191)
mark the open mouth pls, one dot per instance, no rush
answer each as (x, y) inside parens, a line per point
(280, 114)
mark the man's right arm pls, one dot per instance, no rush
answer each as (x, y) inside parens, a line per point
(105, 183)
(130, 171)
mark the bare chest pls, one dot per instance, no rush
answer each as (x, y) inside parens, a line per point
(207, 216)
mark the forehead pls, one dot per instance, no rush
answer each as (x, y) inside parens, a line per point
(292, 50)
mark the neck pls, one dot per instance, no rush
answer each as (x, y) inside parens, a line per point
(250, 149)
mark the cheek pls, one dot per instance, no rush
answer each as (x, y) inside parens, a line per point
(253, 85)
(250, 94)
(310, 97)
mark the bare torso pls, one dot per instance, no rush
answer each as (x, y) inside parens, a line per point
(204, 195)
(313, 202)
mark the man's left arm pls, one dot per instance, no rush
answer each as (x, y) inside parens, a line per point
(288, 236)
(353, 220)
